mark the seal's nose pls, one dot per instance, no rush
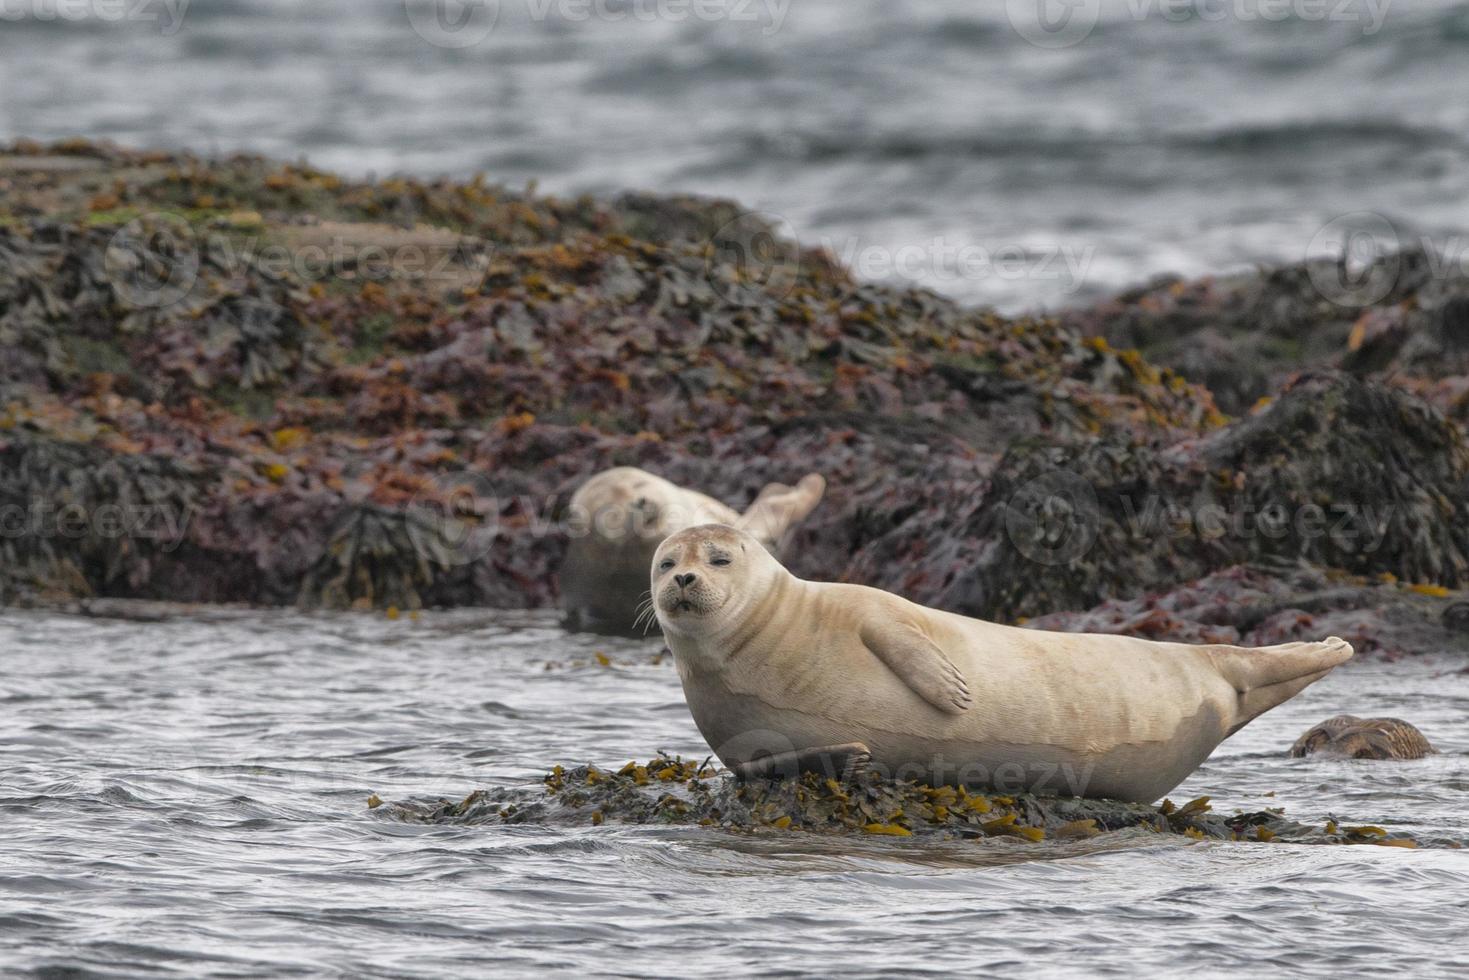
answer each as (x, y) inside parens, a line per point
(684, 581)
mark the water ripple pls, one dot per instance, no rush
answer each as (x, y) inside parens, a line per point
(215, 823)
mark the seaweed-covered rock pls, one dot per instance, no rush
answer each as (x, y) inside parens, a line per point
(76, 520)
(1402, 318)
(1336, 472)
(161, 310)
(678, 792)
(1261, 605)
(163, 305)
(384, 392)
(376, 558)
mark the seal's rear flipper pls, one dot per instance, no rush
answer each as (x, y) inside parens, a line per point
(846, 762)
(1268, 676)
(779, 508)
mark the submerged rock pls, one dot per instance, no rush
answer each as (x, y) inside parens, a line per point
(678, 792)
(1363, 738)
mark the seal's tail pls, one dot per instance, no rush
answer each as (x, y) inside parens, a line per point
(779, 508)
(1268, 676)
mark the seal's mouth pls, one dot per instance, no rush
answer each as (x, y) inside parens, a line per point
(674, 602)
(679, 606)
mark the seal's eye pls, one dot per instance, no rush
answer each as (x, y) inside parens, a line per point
(720, 561)
(665, 564)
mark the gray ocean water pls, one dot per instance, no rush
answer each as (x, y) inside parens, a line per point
(925, 143)
(189, 799)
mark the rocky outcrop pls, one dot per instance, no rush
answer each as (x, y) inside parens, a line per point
(1335, 472)
(1262, 605)
(1402, 316)
(383, 394)
(345, 412)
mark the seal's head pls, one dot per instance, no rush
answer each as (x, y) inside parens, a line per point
(706, 578)
(623, 504)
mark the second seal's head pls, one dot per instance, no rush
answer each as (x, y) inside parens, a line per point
(706, 578)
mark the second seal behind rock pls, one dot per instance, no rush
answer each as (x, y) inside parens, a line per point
(618, 518)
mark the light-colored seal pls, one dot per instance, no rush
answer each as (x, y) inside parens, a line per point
(784, 675)
(1364, 738)
(618, 517)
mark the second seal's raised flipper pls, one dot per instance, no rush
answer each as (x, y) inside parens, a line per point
(1268, 676)
(919, 663)
(779, 508)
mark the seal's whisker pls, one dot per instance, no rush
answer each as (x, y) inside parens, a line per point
(644, 608)
(645, 612)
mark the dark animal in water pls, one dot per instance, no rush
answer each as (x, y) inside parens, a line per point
(1363, 738)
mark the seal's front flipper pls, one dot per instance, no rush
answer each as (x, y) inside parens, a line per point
(919, 663)
(845, 762)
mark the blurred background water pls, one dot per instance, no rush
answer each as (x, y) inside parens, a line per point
(928, 143)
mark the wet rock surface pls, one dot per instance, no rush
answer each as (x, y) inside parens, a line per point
(334, 394)
(678, 792)
(1402, 316)
(1335, 472)
(262, 325)
(1266, 604)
